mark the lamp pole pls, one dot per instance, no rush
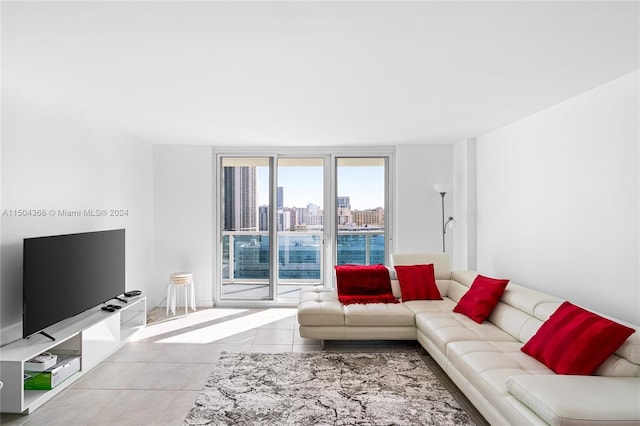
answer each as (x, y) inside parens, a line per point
(442, 189)
(442, 194)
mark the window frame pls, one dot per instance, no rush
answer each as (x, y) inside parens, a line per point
(330, 231)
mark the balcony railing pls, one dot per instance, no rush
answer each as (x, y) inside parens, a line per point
(300, 254)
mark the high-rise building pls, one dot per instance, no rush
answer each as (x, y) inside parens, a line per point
(302, 214)
(314, 215)
(368, 217)
(239, 198)
(263, 218)
(280, 196)
(292, 214)
(343, 204)
(284, 220)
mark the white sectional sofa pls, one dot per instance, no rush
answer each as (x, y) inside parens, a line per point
(485, 360)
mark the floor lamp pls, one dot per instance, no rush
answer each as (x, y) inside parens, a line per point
(442, 189)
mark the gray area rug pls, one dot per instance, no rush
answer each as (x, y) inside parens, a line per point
(325, 388)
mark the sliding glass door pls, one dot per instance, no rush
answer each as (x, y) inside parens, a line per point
(285, 220)
(245, 240)
(360, 210)
(300, 224)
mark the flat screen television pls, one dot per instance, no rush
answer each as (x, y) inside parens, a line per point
(64, 275)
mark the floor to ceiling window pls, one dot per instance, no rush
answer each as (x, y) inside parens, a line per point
(284, 220)
(245, 239)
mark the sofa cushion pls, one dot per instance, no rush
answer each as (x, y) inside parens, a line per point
(418, 306)
(547, 397)
(395, 288)
(476, 357)
(576, 341)
(364, 284)
(515, 322)
(483, 295)
(630, 349)
(441, 266)
(617, 366)
(535, 303)
(443, 328)
(418, 282)
(320, 307)
(456, 290)
(441, 263)
(378, 314)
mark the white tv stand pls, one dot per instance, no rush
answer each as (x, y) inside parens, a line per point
(92, 335)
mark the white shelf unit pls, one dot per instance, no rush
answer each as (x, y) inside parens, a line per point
(93, 335)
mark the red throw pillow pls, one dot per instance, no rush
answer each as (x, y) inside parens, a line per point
(483, 295)
(576, 341)
(364, 284)
(418, 282)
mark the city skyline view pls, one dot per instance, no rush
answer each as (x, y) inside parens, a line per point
(303, 186)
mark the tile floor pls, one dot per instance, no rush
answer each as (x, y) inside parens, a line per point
(155, 378)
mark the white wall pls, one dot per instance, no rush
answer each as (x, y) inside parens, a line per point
(184, 221)
(183, 218)
(464, 202)
(558, 200)
(418, 226)
(55, 159)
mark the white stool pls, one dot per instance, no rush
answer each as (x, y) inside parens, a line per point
(184, 280)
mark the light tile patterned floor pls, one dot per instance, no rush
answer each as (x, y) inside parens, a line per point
(155, 378)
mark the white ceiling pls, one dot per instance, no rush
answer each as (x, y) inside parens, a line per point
(313, 73)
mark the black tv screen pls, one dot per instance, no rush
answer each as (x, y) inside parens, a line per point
(64, 275)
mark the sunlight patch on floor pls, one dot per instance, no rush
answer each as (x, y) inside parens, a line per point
(191, 320)
(213, 333)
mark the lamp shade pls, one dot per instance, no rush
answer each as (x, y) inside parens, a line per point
(442, 187)
(450, 224)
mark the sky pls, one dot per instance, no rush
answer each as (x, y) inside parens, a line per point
(303, 185)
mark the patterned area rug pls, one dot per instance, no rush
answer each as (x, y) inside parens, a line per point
(324, 388)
